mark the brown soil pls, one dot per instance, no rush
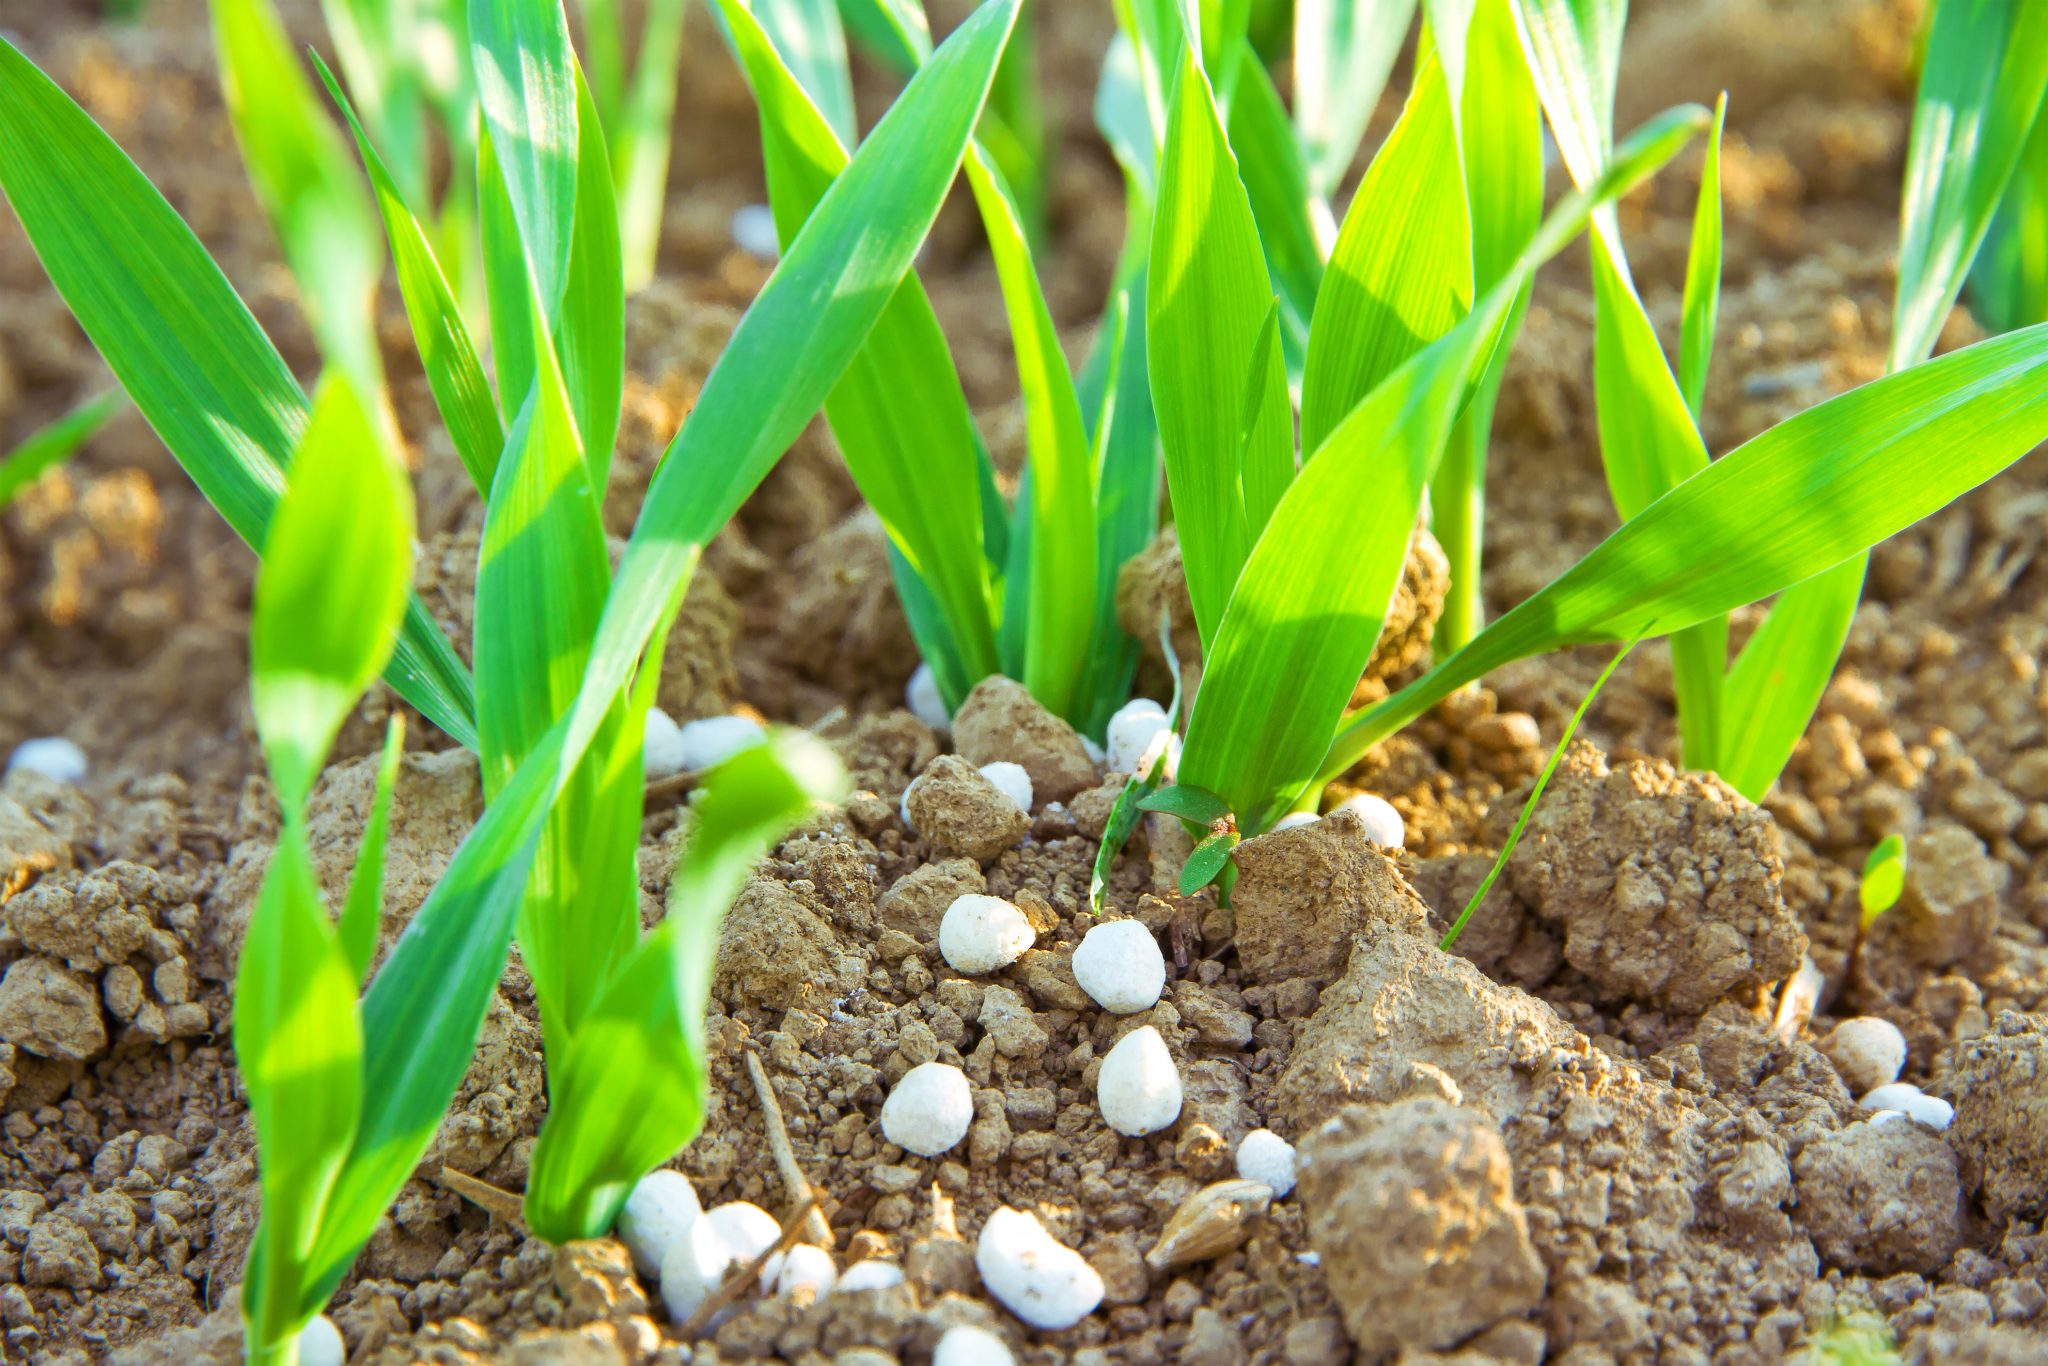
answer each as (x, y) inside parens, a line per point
(1578, 1140)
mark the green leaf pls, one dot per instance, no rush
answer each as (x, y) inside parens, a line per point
(1574, 49)
(362, 913)
(1981, 84)
(508, 283)
(527, 90)
(895, 31)
(1778, 679)
(1401, 274)
(54, 444)
(1207, 299)
(1343, 50)
(302, 174)
(1810, 494)
(810, 42)
(1196, 804)
(299, 1048)
(449, 357)
(2009, 283)
(591, 340)
(1125, 811)
(1293, 221)
(632, 1091)
(638, 118)
(899, 413)
(182, 344)
(1062, 554)
(1702, 306)
(332, 587)
(378, 45)
(1884, 878)
(1207, 860)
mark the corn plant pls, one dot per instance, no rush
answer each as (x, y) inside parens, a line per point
(52, 445)
(1031, 596)
(560, 691)
(1290, 570)
(1986, 66)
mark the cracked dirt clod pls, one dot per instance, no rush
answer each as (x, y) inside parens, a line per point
(1302, 894)
(2000, 1085)
(1412, 1208)
(1667, 885)
(1001, 721)
(1881, 1197)
(961, 813)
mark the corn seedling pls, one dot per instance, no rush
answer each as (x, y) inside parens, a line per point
(1877, 891)
(1981, 84)
(50, 447)
(559, 693)
(1290, 571)
(1034, 596)
(1856, 1339)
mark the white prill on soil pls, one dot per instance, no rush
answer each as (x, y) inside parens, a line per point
(1382, 822)
(929, 1111)
(709, 742)
(1867, 1051)
(1031, 1274)
(746, 1230)
(903, 806)
(663, 757)
(925, 701)
(753, 232)
(1133, 730)
(1096, 753)
(966, 1345)
(660, 1211)
(808, 1274)
(982, 933)
(1011, 780)
(1120, 966)
(869, 1275)
(1294, 819)
(1139, 1088)
(693, 1268)
(1932, 1111)
(1265, 1156)
(53, 756)
(320, 1343)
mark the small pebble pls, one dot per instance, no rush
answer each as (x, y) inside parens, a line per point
(714, 739)
(1867, 1051)
(1138, 1087)
(1932, 1111)
(1265, 1156)
(753, 232)
(929, 1111)
(660, 1210)
(320, 1343)
(966, 1345)
(982, 933)
(870, 1275)
(1296, 818)
(924, 700)
(53, 756)
(808, 1274)
(693, 1267)
(1011, 780)
(1032, 1275)
(1120, 967)
(1133, 731)
(1382, 822)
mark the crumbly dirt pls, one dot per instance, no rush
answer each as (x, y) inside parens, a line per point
(1622, 1159)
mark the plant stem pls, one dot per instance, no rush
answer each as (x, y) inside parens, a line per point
(1457, 501)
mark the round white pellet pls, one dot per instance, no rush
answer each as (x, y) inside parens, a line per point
(808, 1273)
(1932, 1111)
(981, 933)
(925, 701)
(903, 806)
(1868, 1052)
(1885, 1116)
(1032, 1275)
(1012, 781)
(1096, 753)
(709, 742)
(53, 756)
(1132, 732)
(753, 232)
(747, 1231)
(1265, 1156)
(660, 1210)
(966, 1345)
(320, 1343)
(1120, 967)
(929, 1111)
(693, 1267)
(1296, 818)
(870, 1275)
(1138, 1087)
(1382, 822)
